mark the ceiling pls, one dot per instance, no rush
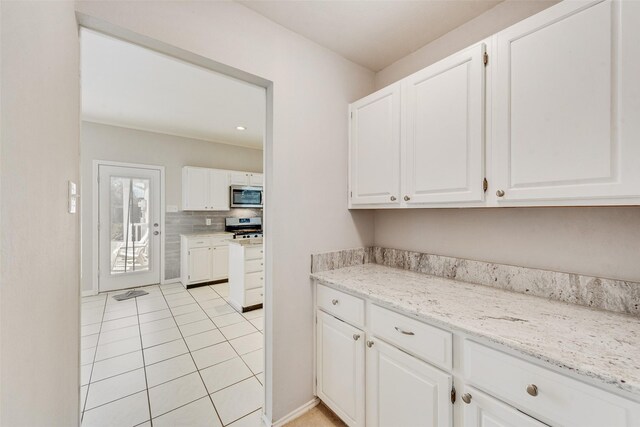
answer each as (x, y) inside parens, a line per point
(126, 85)
(372, 33)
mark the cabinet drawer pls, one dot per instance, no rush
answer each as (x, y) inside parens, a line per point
(253, 280)
(254, 252)
(253, 265)
(344, 306)
(253, 296)
(201, 242)
(432, 344)
(219, 240)
(556, 399)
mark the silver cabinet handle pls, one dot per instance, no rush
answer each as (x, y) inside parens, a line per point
(356, 337)
(500, 193)
(466, 398)
(334, 301)
(532, 389)
(402, 331)
(369, 343)
(393, 198)
(407, 198)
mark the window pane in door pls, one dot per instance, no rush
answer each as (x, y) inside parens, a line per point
(129, 224)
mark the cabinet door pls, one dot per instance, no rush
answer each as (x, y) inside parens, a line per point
(220, 263)
(239, 178)
(256, 179)
(567, 105)
(485, 411)
(218, 190)
(405, 391)
(375, 148)
(199, 264)
(443, 136)
(340, 368)
(195, 189)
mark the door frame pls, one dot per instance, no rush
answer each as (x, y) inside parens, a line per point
(95, 214)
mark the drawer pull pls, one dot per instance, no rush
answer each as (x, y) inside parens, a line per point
(404, 332)
(356, 337)
(334, 301)
(532, 389)
(466, 398)
(369, 343)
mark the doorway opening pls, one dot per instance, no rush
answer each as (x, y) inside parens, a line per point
(173, 191)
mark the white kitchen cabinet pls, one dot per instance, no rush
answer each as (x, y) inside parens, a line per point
(443, 130)
(246, 273)
(256, 179)
(205, 189)
(566, 106)
(375, 149)
(404, 391)
(199, 264)
(340, 362)
(485, 411)
(246, 178)
(220, 262)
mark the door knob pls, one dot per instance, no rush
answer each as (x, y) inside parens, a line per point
(155, 224)
(500, 193)
(155, 233)
(466, 398)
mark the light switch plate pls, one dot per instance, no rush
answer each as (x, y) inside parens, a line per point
(208, 221)
(73, 197)
(172, 208)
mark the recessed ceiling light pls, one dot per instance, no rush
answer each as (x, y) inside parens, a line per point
(240, 128)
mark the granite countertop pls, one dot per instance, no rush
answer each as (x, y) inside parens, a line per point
(599, 345)
(207, 233)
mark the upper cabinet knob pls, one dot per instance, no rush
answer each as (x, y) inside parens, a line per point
(466, 398)
(334, 302)
(393, 198)
(407, 198)
(500, 193)
(532, 389)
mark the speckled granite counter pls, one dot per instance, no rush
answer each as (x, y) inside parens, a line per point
(599, 345)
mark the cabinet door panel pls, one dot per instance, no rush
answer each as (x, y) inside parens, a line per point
(199, 264)
(220, 263)
(239, 178)
(405, 391)
(444, 130)
(218, 190)
(375, 148)
(340, 368)
(256, 179)
(195, 188)
(566, 106)
(485, 411)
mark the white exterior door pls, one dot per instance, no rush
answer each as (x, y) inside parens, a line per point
(485, 411)
(443, 136)
(128, 227)
(405, 391)
(195, 189)
(375, 148)
(220, 262)
(340, 368)
(200, 264)
(566, 104)
(218, 190)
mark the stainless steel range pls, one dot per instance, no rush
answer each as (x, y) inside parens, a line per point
(244, 228)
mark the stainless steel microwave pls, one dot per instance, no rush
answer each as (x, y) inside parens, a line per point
(243, 196)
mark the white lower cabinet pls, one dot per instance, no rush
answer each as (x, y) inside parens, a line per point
(220, 263)
(403, 390)
(204, 258)
(485, 411)
(340, 368)
(199, 264)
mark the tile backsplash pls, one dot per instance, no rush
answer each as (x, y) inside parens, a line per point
(182, 222)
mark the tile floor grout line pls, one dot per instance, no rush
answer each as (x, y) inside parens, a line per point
(196, 365)
(93, 361)
(144, 366)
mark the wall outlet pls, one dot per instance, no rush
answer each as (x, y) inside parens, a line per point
(208, 221)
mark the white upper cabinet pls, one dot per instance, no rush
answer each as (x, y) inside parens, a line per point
(245, 178)
(567, 106)
(195, 189)
(256, 179)
(443, 130)
(375, 149)
(218, 190)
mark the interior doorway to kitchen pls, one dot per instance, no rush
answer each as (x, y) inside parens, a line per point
(129, 225)
(172, 206)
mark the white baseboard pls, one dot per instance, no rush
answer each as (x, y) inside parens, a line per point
(293, 414)
(89, 293)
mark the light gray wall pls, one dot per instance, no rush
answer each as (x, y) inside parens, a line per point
(105, 142)
(39, 327)
(306, 196)
(602, 242)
